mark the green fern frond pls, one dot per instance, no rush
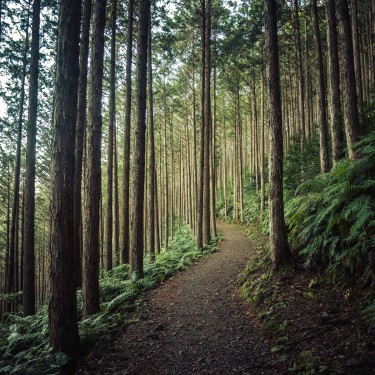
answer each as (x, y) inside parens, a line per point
(116, 303)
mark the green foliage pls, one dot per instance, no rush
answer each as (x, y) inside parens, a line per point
(300, 163)
(251, 212)
(332, 216)
(24, 345)
(369, 313)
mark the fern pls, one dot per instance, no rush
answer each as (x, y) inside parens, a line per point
(118, 301)
(333, 214)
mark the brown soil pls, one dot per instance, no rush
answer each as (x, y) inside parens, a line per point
(317, 328)
(194, 323)
(197, 322)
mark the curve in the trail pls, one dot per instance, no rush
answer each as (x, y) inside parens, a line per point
(195, 323)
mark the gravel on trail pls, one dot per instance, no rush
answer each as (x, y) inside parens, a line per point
(194, 323)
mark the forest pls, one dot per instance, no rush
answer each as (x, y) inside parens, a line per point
(143, 138)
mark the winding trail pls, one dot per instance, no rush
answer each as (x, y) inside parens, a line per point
(194, 323)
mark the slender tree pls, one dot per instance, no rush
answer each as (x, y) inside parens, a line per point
(334, 83)
(280, 251)
(349, 96)
(128, 100)
(152, 165)
(200, 210)
(79, 138)
(301, 78)
(90, 282)
(13, 235)
(29, 217)
(111, 129)
(207, 118)
(262, 154)
(63, 328)
(137, 213)
(323, 126)
(357, 56)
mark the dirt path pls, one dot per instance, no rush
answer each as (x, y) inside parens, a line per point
(195, 323)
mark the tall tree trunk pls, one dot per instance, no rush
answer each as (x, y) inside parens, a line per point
(126, 209)
(116, 201)
(207, 127)
(334, 83)
(111, 127)
(323, 127)
(166, 177)
(172, 164)
(372, 57)
(79, 137)
(349, 83)
(280, 251)
(29, 223)
(213, 161)
(63, 328)
(9, 179)
(196, 205)
(225, 166)
(309, 103)
(157, 220)
(357, 56)
(136, 259)
(200, 214)
(301, 79)
(262, 154)
(239, 160)
(11, 280)
(152, 166)
(91, 251)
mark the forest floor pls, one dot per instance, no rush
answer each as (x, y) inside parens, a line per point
(198, 322)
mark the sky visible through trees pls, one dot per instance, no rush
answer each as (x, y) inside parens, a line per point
(163, 116)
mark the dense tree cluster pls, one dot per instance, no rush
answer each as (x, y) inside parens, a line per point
(123, 120)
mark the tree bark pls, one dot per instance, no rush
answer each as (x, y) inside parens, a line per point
(136, 258)
(301, 79)
(79, 137)
(262, 155)
(334, 83)
(29, 213)
(196, 205)
(213, 159)
(126, 209)
(91, 229)
(280, 251)
(152, 166)
(357, 56)
(11, 272)
(200, 214)
(207, 127)
(349, 96)
(166, 177)
(63, 328)
(323, 127)
(111, 127)
(116, 201)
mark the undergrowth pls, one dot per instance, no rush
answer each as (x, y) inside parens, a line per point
(332, 217)
(330, 221)
(24, 347)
